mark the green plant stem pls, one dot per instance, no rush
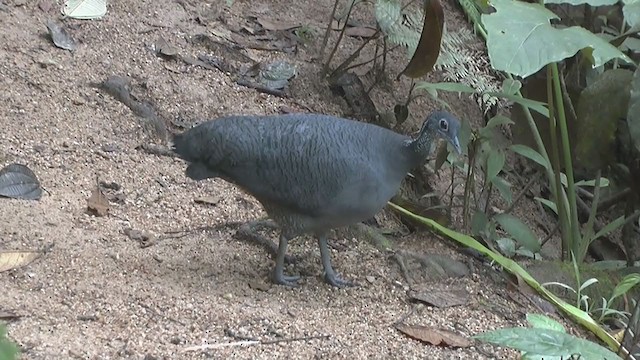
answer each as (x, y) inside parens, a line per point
(558, 192)
(574, 225)
(589, 231)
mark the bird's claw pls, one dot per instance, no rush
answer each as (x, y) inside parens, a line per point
(335, 280)
(291, 281)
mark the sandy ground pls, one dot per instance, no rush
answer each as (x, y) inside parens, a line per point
(99, 295)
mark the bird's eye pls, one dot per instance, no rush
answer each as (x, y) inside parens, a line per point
(444, 125)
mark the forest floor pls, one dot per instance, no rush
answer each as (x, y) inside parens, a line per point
(98, 293)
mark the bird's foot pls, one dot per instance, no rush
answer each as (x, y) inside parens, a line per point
(334, 280)
(286, 280)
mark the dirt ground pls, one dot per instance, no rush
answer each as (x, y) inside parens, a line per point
(98, 294)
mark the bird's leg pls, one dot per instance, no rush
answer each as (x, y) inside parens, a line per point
(330, 275)
(249, 231)
(278, 273)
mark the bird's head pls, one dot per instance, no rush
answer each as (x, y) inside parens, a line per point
(441, 125)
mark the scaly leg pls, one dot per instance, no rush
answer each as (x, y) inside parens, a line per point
(330, 275)
(278, 273)
(249, 231)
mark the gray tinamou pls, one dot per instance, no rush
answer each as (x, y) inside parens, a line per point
(310, 172)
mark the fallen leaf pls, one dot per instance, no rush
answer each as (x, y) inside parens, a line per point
(275, 25)
(19, 182)
(259, 285)
(164, 48)
(208, 200)
(60, 36)
(443, 298)
(360, 31)
(433, 336)
(10, 260)
(430, 40)
(98, 203)
(85, 9)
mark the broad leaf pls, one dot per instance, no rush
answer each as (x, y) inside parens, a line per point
(631, 12)
(582, 2)
(495, 163)
(625, 285)
(633, 114)
(428, 48)
(547, 342)
(521, 40)
(18, 181)
(544, 322)
(530, 154)
(519, 231)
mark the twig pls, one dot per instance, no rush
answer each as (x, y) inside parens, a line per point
(261, 88)
(523, 192)
(254, 342)
(328, 32)
(325, 68)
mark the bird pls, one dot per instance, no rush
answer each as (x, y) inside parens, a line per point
(310, 172)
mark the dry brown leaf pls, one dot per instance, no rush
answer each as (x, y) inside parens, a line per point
(275, 25)
(98, 203)
(360, 31)
(433, 336)
(429, 45)
(164, 48)
(10, 260)
(444, 298)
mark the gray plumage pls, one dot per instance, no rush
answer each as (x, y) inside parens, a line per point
(311, 172)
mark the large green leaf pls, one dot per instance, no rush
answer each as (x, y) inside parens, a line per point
(513, 267)
(519, 231)
(521, 39)
(633, 115)
(582, 2)
(547, 342)
(600, 106)
(631, 12)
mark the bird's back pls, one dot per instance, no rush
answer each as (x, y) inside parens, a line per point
(333, 170)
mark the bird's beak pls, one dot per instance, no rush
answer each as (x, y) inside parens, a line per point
(456, 145)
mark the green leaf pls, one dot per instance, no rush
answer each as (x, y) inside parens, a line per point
(510, 86)
(504, 188)
(599, 109)
(479, 222)
(530, 154)
(625, 285)
(604, 182)
(633, 115)
(578, 315)
(519, 231)
(547, 342)
(521, 40)
(507, 246)
(631, 12)
(495, 163)
(582, 2)
(609, 228)
(8, 350)
(537, 106)
(544, 322)
(548, 203)
(497, 121)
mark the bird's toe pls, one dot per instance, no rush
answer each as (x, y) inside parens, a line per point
(286, 280)
(335, 280)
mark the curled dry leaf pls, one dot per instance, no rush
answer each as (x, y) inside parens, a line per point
(60, 36)
(10, 260)
(433, 336)
(443, 298)
(19, 182)
(97, 203)
(430, 40)
(164, 48)
(275, 25)
(360, 31)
